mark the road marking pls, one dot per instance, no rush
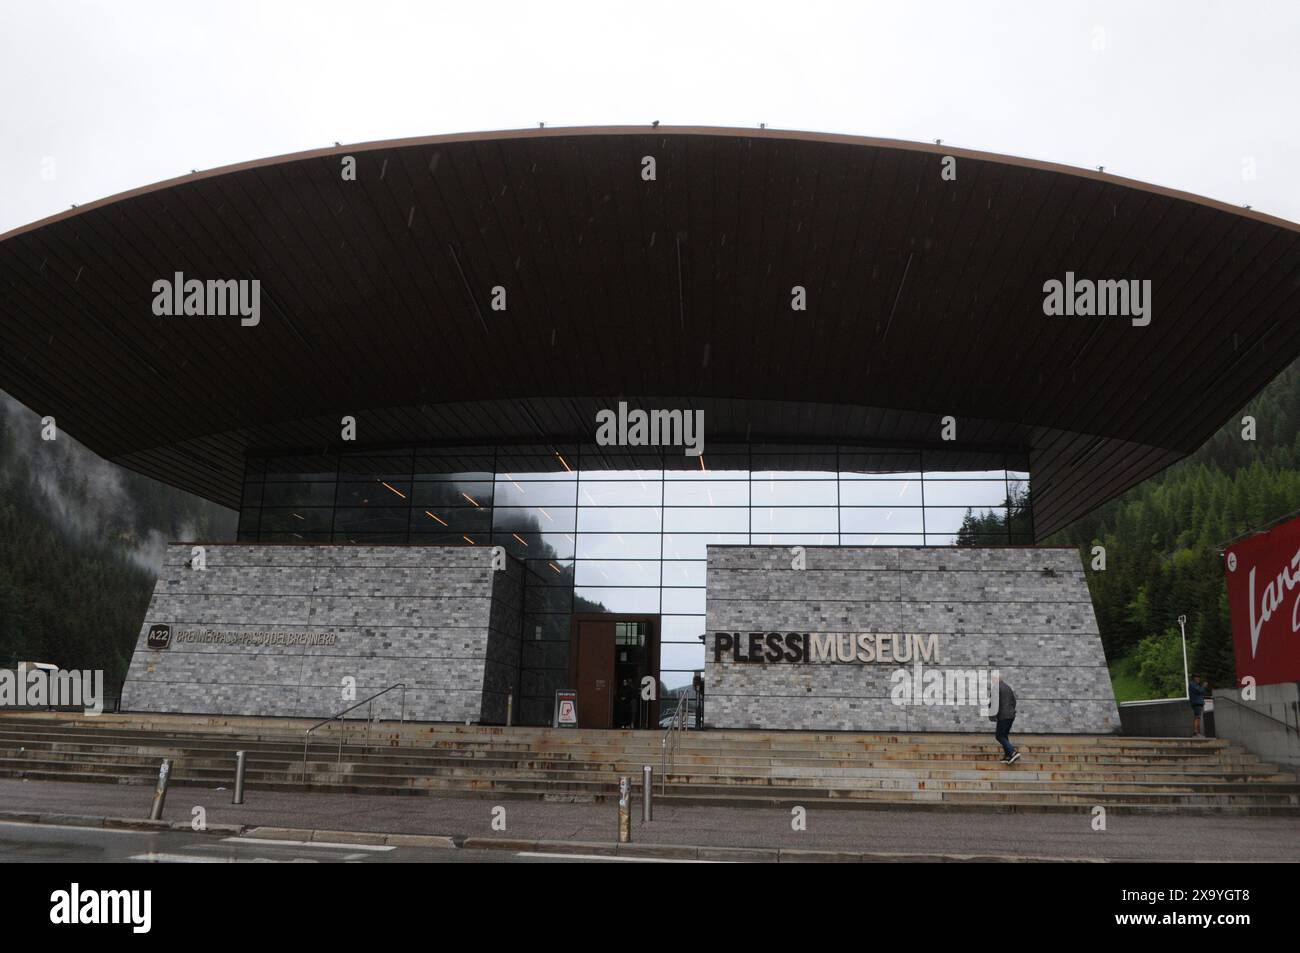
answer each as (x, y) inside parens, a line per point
(631, 860)
(307, 843)
(163, 857)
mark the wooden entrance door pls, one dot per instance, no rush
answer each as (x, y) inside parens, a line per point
(593, 672)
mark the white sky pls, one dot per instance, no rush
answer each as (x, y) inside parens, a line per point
(124, 94)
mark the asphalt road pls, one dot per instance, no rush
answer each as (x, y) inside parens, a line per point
(44, 843)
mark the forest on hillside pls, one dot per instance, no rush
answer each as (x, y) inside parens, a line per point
(1164, 540)
(81, 543)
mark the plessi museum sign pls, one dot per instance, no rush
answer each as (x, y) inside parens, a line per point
(814, 647)
(822, 647)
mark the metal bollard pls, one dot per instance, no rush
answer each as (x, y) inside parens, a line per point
(510, 709)
(160, 790)
(624, 810)
(241, 762)
(647, 786)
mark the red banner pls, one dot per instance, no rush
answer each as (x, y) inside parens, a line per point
(1263, 574)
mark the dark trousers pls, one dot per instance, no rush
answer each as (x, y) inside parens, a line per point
(1003, 735)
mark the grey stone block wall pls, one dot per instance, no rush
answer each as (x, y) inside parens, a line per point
(1025, 612)
(436, 618)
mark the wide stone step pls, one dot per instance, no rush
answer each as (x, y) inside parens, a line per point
(148, 757)
(608, 781)
(977, 801)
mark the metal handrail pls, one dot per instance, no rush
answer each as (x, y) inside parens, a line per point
(1255, 711)
(668, 746)
(306, 738)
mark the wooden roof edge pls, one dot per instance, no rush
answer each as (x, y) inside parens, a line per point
(731, 132)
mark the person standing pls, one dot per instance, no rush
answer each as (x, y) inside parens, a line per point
(1196, 695)
(1003, 717)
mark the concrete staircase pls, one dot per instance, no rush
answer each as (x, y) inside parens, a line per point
(727, 768)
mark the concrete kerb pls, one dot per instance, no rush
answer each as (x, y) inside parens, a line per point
(684, 852)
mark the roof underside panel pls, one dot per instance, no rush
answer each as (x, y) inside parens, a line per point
(924, 299)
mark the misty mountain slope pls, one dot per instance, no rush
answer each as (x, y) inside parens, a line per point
(81, 542)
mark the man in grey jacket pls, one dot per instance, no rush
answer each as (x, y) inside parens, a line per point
(1004, 716)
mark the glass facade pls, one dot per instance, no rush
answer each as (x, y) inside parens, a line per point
(603, 529)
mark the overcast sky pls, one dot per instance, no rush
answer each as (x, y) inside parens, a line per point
(101, 97)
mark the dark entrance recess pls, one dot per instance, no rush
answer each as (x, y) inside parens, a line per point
(609, 656)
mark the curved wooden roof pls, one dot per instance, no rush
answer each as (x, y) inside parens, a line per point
(924, 300)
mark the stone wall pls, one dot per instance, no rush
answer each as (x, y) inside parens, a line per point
(1025, 612)
(436, 618)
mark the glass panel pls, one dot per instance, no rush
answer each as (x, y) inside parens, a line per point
(390, 467)
(948, 519)
(615, 545)
(546, 627)
(795, 539)
(882, 519)
(446, 538)
(547, 493)
(371, 539)
(625, 599)
(794, 462)
(549, 572)
(733, 519)
(775, 519)
(374, 493)
(452, 493)
(547, 463)
(693, 545)
(625, 519)
(311, 467)
(683, 657)
(683, 572)
(536, 545)
(463, 520)
(533, 519)
(296, 520)
(681, 628)
(618, 572)
(298, 494)
(248, 518)
(964, 474)
(620, 493)
(252, 493)
(683, 600)
(965, 492)
(372, 519)
(881, 539)
(880, 493)
(707, 493)
(458, 463)
(794, 492)
(620, 463)
(294, 538)
(709, 466)
(860, 463)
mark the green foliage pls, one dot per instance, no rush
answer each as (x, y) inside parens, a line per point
(1159, 662)
(1126, 683)
(1163, 538)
